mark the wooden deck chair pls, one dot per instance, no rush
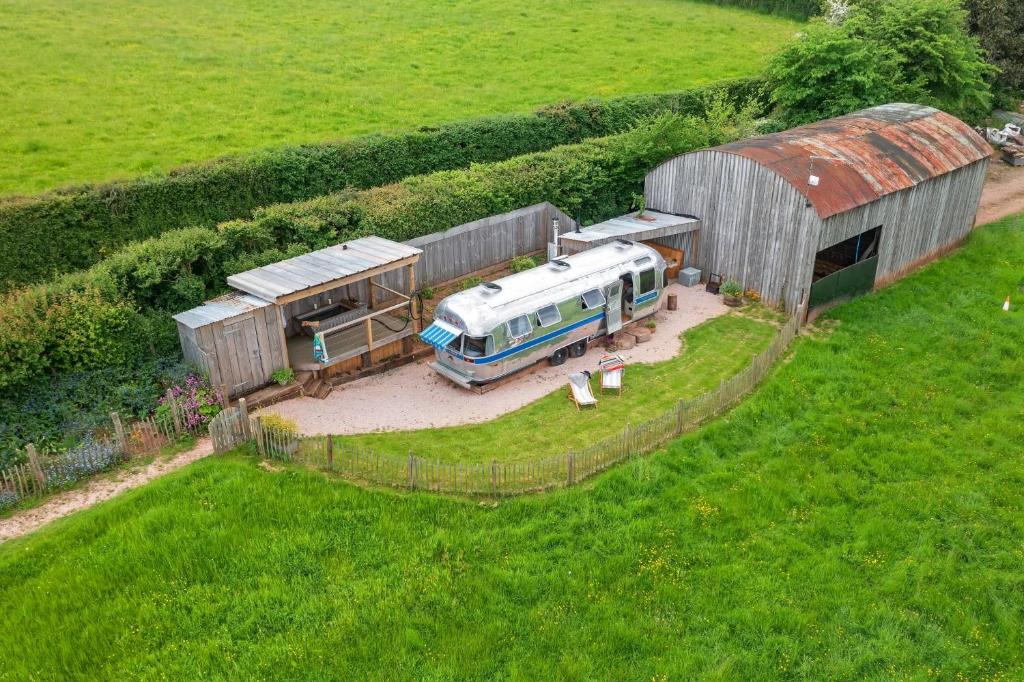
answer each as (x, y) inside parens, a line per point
(612, 368)
(579, 390)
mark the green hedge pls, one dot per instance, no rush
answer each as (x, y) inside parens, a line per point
(118, 312)
(794, 9)
(74, 228)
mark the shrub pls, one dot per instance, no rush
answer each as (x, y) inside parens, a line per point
(75, 227)
(470, 282)
(279, 423)
(427, 293)
(521, 263)
(198, 402)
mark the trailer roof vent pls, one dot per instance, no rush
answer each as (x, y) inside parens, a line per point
(490, 287)
(623, 243)
(559, 264)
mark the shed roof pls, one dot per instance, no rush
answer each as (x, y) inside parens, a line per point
(325, 269)
(863, 156)
(219, 309)
(652, 226)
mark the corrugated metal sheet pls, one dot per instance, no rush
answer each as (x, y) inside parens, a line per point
(654, 225)
(865, 155)
(221, 308)
(321, 267)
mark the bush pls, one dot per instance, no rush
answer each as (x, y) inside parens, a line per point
(75, 227)
(279, 423)
(521, 263)
(730, 287)
(471, 282)
(198, 402)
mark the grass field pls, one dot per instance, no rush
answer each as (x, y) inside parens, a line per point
(714, 351)
(858, 518)
(102, 89)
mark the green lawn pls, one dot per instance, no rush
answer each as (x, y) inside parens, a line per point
(860, 517)
(714, 351)
(107, 88)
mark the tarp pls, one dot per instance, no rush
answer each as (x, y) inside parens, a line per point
(439, 334)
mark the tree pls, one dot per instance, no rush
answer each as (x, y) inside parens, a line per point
(883, 51)
(999, 26)
(829, 72)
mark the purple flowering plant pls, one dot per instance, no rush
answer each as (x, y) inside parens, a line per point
(198, 402)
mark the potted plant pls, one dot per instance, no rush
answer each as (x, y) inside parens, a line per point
(283, 376)
(731, 293)
(651, 325)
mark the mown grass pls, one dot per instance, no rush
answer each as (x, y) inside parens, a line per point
(713, 351)
(112, 88)
(858, 518)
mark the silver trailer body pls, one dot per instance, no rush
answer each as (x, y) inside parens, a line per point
(548, 312)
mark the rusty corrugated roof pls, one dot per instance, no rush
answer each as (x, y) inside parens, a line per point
(865, 155)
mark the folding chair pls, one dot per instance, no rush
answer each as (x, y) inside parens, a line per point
(714, 283)
(579, 390)
(612, 368)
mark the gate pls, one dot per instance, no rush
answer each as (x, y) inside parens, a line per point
(229, 429)
(851, 281)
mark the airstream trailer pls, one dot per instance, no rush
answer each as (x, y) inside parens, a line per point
(548, 312)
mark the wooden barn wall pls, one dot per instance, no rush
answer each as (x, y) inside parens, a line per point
(755, 227)
(758, 230)
(226, 359)
(918, 223)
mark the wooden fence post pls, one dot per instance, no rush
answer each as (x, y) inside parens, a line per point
(494, 477)
(571, 466)
(174, 412)
(261, 445)
(412, 471)
(243, 415)
(680, 406)
(122, 442)
(225, 402)
(33, 462)
(330, 452)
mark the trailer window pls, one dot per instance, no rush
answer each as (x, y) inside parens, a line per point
(518, 327)
(548, 315)
(475, 346)
(592, 299)
(455, 345)
(647, 282)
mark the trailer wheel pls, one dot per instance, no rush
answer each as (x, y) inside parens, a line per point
(578, 349)
(559, 356)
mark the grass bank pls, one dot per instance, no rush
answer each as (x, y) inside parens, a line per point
(115, 88)
(858, 517)
(713, 351)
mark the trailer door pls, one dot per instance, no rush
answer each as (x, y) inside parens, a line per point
(613, 306)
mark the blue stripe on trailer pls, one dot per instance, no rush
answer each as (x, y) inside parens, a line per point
(534, 342)
(647, 297)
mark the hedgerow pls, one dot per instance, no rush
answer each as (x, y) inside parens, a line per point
(117, 312)
(73, 228)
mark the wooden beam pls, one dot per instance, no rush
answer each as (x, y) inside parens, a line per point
(343, 281)
(369, 333)
(389, 289)
(410, 271)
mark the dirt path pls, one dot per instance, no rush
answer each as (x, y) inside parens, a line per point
(416, 397)
(1003, 194)
(95, 491)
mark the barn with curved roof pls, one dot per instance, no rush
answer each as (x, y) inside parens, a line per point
(830, 209)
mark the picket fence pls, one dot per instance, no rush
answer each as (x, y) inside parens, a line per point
(42, 473)
(234, 427)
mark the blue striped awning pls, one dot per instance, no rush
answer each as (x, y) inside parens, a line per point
(439, 334)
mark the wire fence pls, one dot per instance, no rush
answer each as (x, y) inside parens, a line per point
(96, 451)
(235, 426)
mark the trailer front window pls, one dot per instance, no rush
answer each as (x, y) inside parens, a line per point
(647, 282)
(475, 346)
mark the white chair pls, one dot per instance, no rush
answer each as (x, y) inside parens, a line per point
(612, 368)
(579, 390)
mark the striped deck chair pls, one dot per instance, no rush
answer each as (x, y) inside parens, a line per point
(612, 367)
(579, 390)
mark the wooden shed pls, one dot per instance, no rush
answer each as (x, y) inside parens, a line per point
(830, 209)
(324, 312)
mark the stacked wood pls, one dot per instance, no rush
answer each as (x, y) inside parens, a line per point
(1013, 154)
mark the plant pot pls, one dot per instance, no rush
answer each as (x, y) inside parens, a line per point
(732, 301)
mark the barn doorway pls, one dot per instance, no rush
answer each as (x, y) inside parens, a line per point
(846, 269)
